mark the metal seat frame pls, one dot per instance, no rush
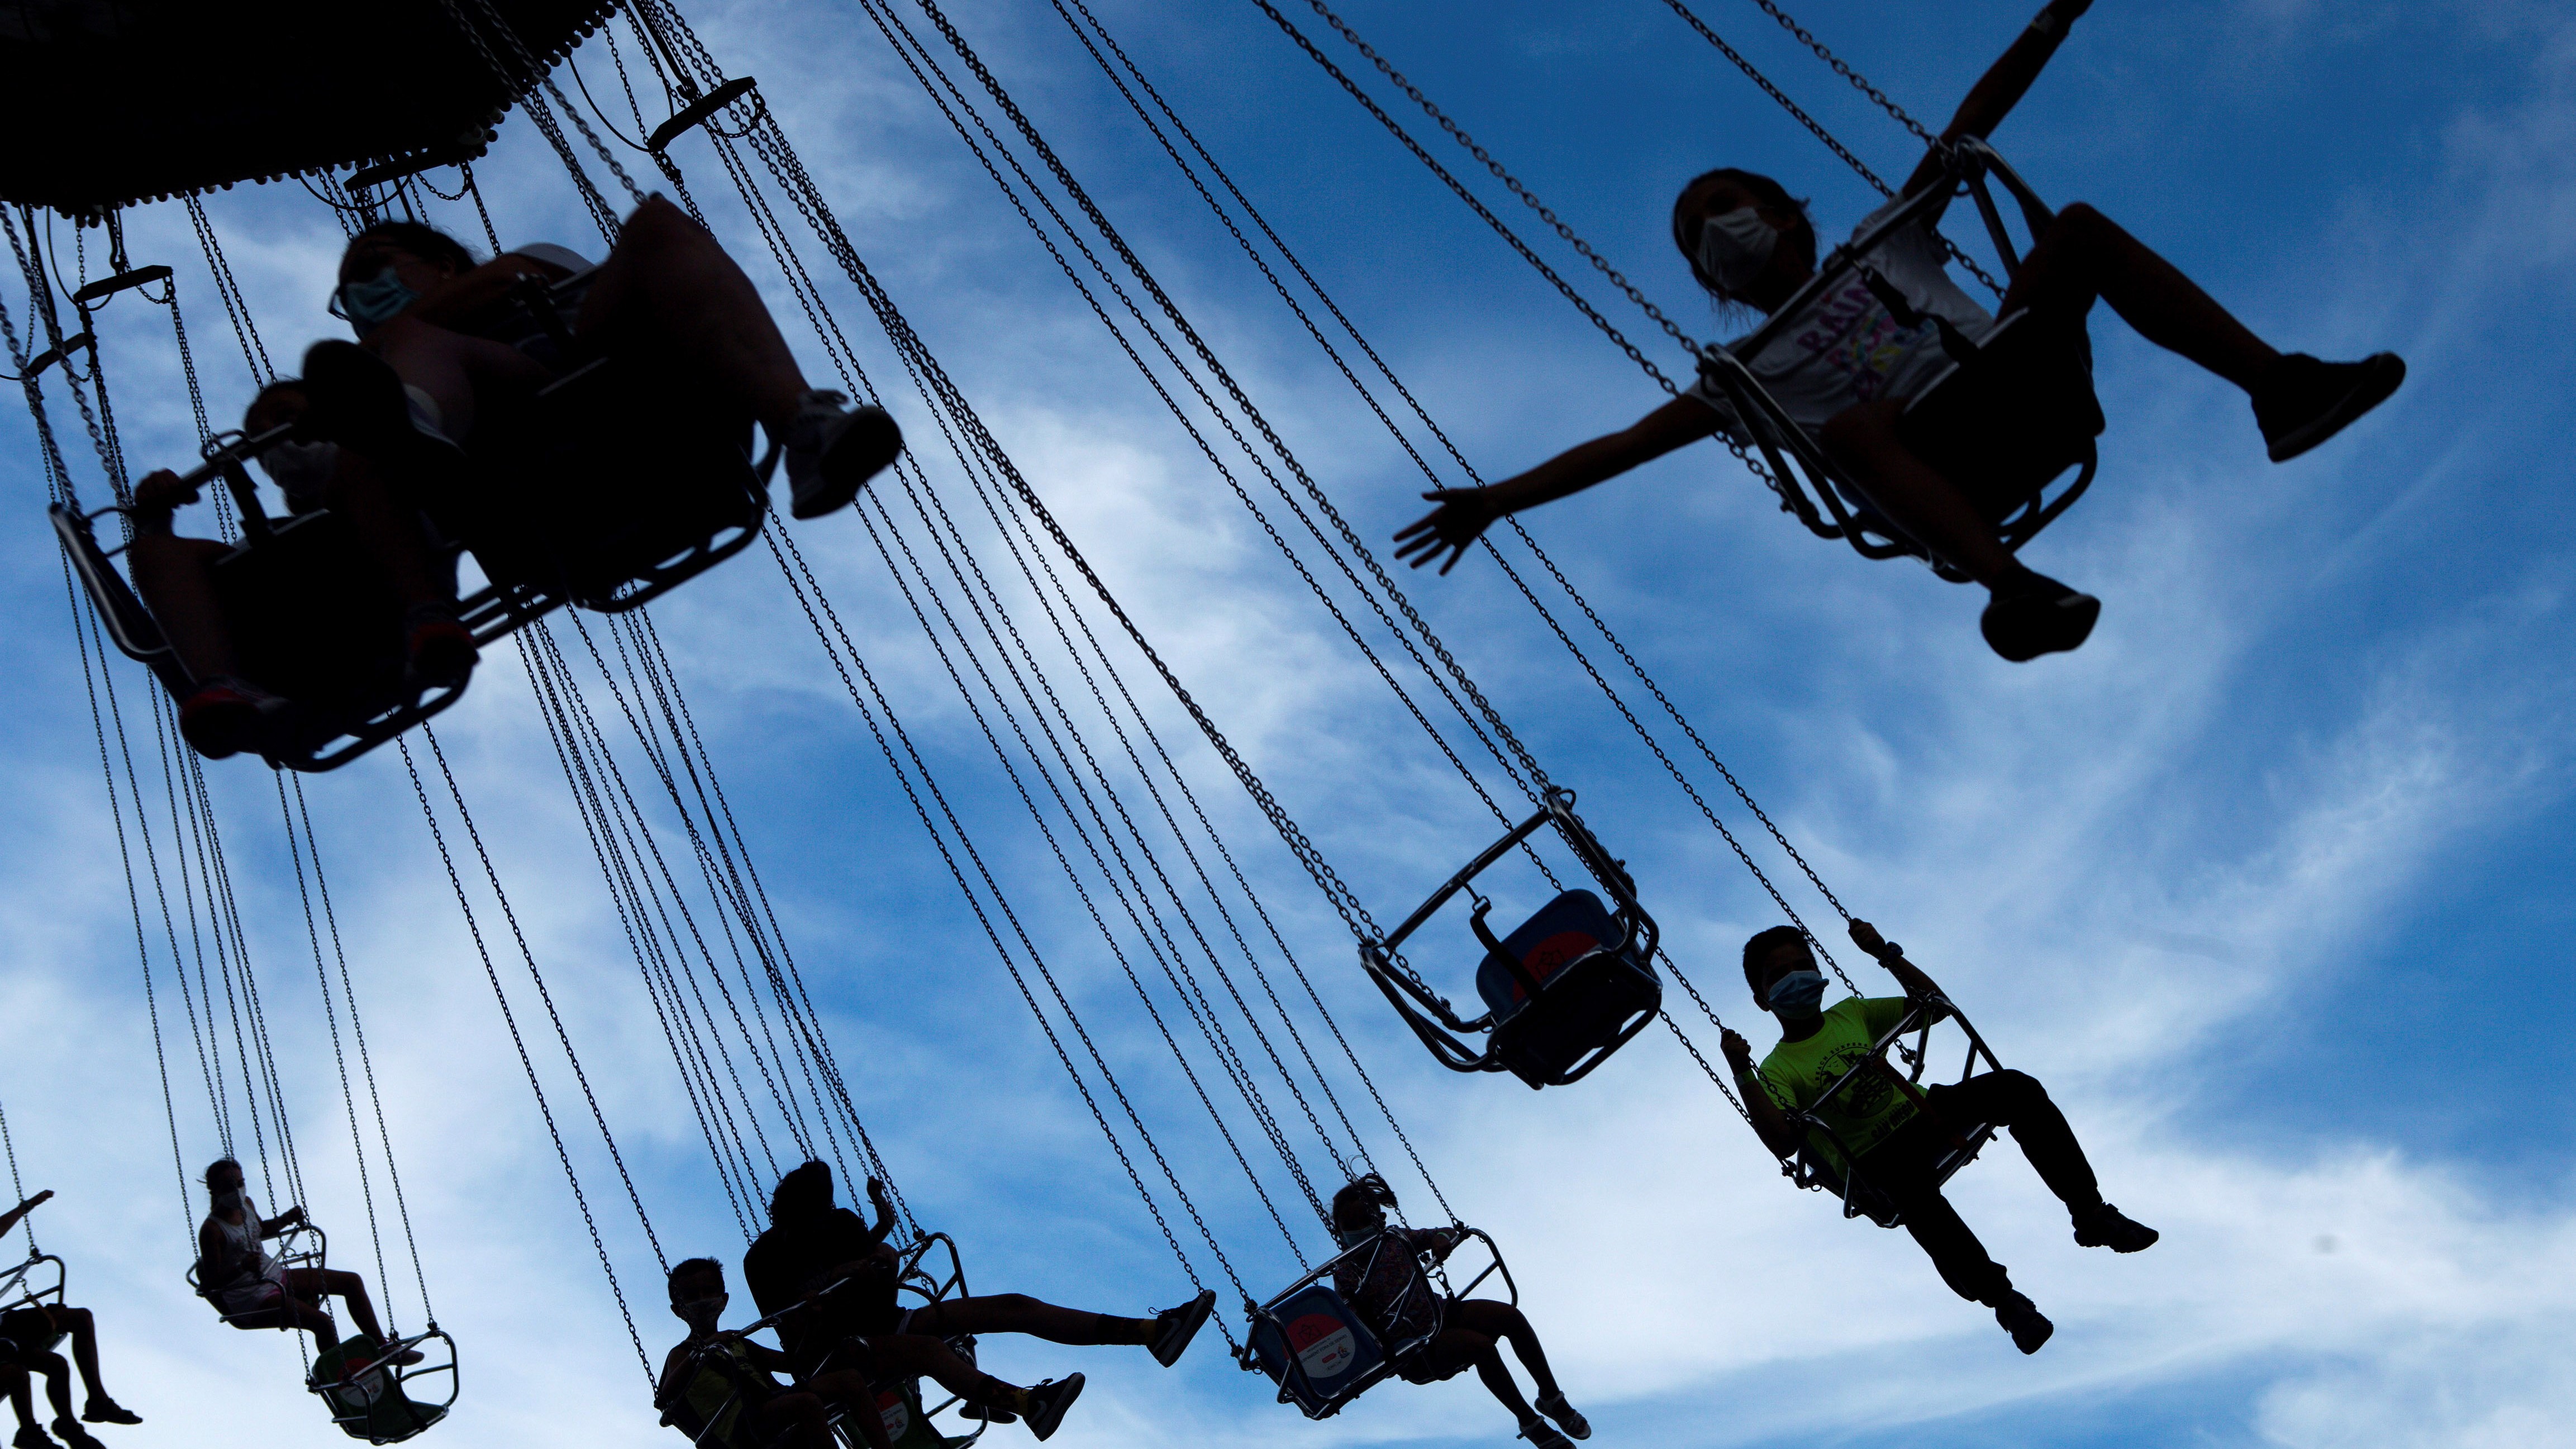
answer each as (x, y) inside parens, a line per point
(1437, 1023)
(1810, 484)
(1811, 1169)
(15, 1293)
(1295, 1387)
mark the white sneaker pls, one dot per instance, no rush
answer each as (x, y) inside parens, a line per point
(832, 450)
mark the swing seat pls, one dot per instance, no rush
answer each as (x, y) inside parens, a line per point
(311, 622)
(621, 486)
(1593, 993)
(2006, 422)
(907, 1426)
(371, 1404)
(1316, 1349)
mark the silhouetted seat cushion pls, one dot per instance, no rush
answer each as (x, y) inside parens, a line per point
(2002, 426)
(314, 621)
(1593, 994)
(623, 469)
(1317, 1332)
(1570, 926)
(371, 1406)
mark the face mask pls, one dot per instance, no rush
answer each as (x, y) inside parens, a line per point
(227, 1201)
(301, 469)
(701, 1314)
(1734, 248)
(1798, 993)
(376, 301)
(1353, 1237)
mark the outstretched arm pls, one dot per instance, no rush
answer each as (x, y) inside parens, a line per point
(1918, 986)
(13, 1216)
(1465, 513)
(2003, 85)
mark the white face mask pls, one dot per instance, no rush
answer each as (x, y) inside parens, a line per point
(301, 470)
(1735, 247)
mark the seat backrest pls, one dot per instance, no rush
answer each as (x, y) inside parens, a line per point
(371, 1405)
(906, 1426)
(2021, 413)
(1569, 927)
(1315, 1347)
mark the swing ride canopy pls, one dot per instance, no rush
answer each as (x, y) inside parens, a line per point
(110, 102)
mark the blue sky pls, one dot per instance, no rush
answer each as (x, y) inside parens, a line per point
(2267, 882)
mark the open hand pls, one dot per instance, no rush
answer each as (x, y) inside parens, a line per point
(1462, 517)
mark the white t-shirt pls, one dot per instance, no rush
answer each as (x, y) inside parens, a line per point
(1842, 347)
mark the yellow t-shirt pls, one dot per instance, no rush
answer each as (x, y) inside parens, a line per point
(1864, 1113)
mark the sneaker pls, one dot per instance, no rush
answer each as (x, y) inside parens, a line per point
(2310, 401)
(104, 1410)
(2107, 1227)
(406, 1358)
(31, 1437)
(227, 715)
(2037, 615)
(439, 652)
(360, 403)
(74, 1435)
(1048, 1401)
(833, 450)
(1175, 1327)
(1555, 1407)
(2022, 1319)
(989, 1413)
(1543, 1436)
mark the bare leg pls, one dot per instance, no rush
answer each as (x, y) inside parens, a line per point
(58, 1382)
(1502, 1320)
(176, 578)
(2085, 254)
(84, 1333)
(669, 289)
(918, 1355)
(390, 530)
(1019, 1313)
(14, 1378)
(465, 376)
(319, 1283)
(1914, 497)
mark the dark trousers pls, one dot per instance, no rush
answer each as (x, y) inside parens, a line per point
(1902, 1168)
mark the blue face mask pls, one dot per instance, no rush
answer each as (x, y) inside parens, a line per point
(376, 301)
(1798, 993)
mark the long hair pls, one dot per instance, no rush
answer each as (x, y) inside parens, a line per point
(1686, 222)
(1351, 1203)
(1762, 944)
(805, 1189)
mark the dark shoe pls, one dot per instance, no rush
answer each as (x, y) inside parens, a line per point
(439, 653)
(2037, 615)
(228, 715)
(104, 1410)
(359, 402)
(1542, 1436)
(989, 1413)
(2022, 1319)
(832, 453)
(1175, 1327)
(2309, 401)
(31, 1437)
(76, 1436)
(1048, 1401)
(1555, 1407)
(2107, 1227)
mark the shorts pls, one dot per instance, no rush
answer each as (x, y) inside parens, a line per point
(26, 1332)
(251, 1297)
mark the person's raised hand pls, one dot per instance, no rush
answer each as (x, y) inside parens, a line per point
(161, 493)
(1462, 517)
(2066, 11)
(39, 1199)
(877, 1195)
(1866, 936)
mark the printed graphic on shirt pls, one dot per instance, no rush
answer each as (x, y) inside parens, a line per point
(1853, 336)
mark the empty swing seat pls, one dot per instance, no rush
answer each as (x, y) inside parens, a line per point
(1316, 1349)
(1592, 995)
